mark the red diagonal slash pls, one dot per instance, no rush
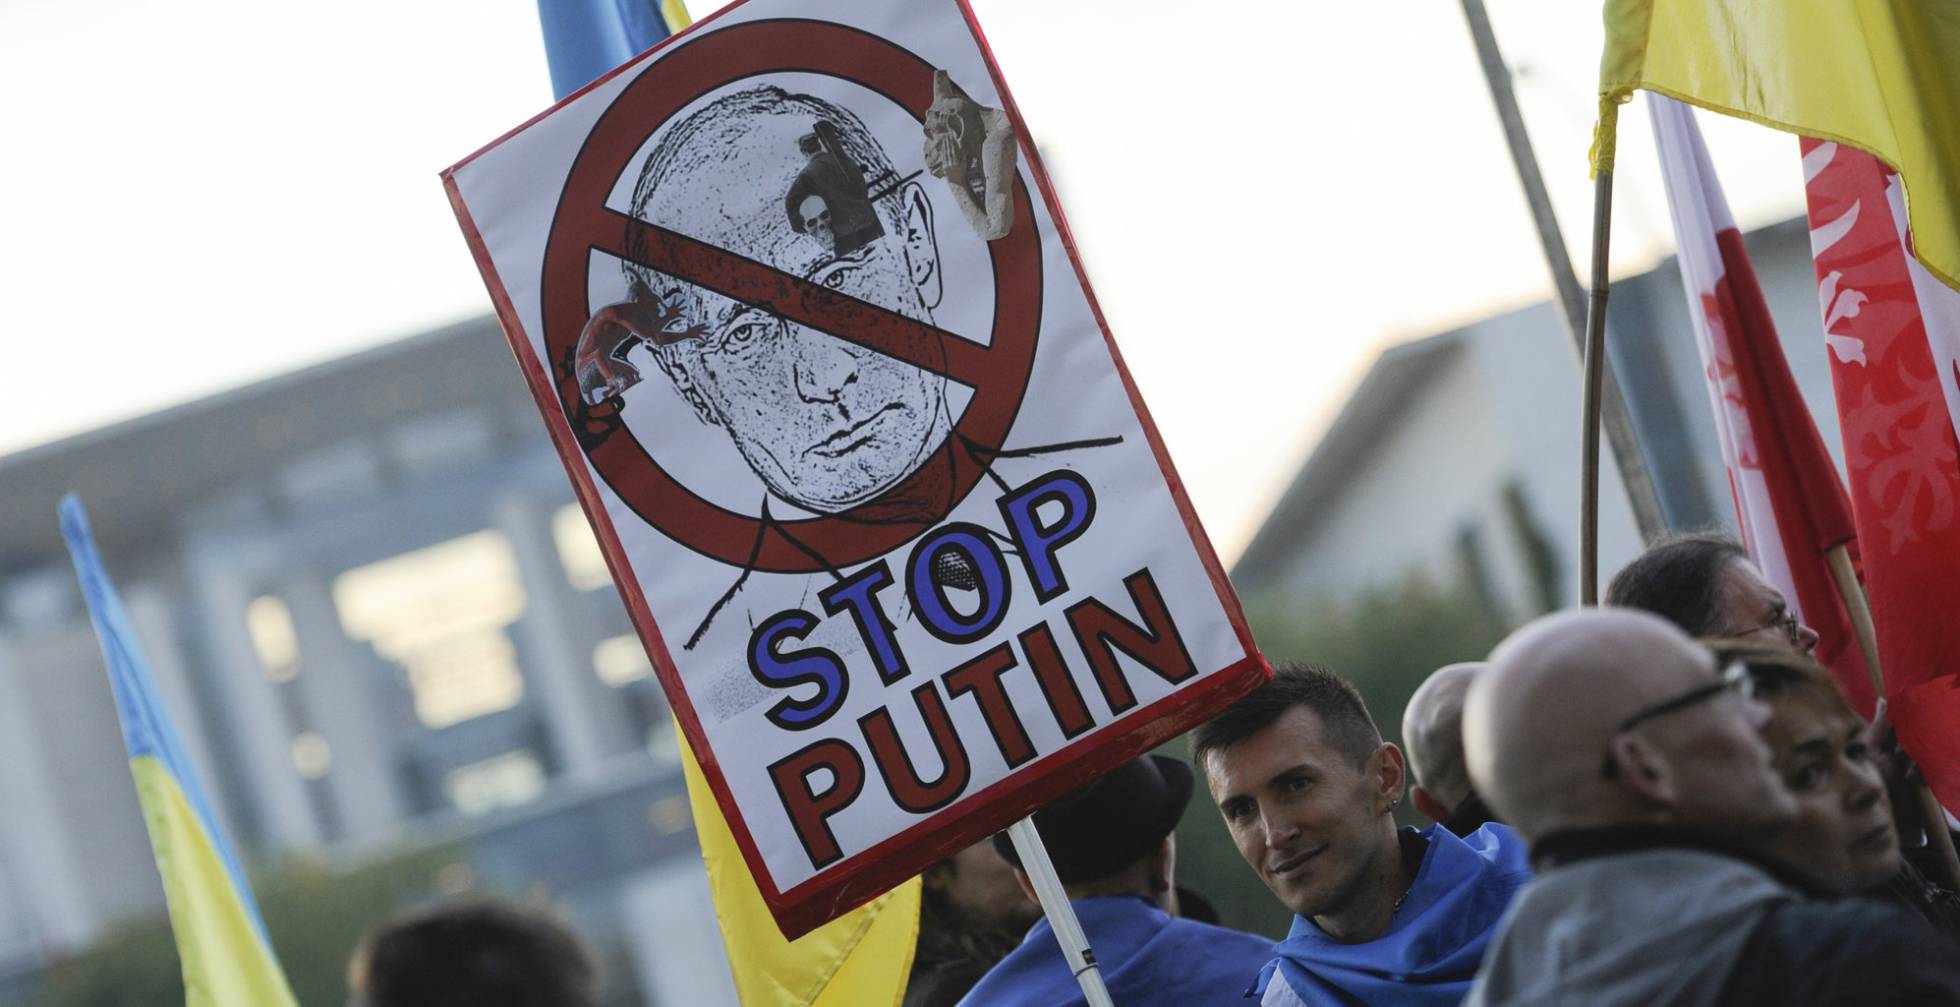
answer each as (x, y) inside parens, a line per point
(997, 371)
(796, 299)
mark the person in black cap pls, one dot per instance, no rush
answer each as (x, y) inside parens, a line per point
(1112, 847)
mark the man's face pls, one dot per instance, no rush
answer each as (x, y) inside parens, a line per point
(981, 886)
(1721, 766)
(1752, 607)
(1304, 816)
(825, 422)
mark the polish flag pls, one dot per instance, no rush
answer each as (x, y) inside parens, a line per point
(1893, 332)
(1789, 501)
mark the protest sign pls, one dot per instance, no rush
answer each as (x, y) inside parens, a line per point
(802, 317)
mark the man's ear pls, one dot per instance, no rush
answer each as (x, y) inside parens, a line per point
(1642, 771)
(1391, 775)
(921, 244)
(1426, 802)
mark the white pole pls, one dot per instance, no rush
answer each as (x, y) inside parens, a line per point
(1061, 916)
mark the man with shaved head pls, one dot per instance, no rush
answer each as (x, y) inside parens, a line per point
(1432, 730)
(1633, 765)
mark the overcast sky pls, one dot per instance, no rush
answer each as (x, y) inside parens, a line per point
(197, 194)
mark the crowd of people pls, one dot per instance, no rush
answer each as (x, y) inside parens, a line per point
(1660, 801)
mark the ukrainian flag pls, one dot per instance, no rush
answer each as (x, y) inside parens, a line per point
(227, 960)
(1879, 75)
(860, 959)
(585, 38)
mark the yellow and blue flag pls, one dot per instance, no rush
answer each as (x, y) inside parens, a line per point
(860, 959)
(227, 960)
(585, 38)
(1879, 75)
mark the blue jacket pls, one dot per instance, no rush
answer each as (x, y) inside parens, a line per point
(1147, 958)
(1432, 948)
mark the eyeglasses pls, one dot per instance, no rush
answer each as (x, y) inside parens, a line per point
(1785, 620)
(1734, 678)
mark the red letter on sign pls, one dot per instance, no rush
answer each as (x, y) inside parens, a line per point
(1155, 644)
(981, 677)
(810, 811)
(1056, 682)
(888, 754)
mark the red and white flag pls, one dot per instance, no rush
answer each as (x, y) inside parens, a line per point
(1789, 501)
(1893, 331)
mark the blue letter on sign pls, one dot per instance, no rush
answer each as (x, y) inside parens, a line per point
(958, 555)
(809, 666)
(858, 594)
(1039, 541)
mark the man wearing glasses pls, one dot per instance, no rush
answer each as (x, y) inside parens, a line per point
(1632, 763)
(1706, 584)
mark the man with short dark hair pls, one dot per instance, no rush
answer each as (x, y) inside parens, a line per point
(1706, 584)
(472, 953)
(1112, 846)
(1432, 728)
(1633, 765)
(1308, 789)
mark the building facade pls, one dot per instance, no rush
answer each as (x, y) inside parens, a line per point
(382, 624)
(1456, 459)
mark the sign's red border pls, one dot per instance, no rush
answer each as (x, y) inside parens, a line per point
(864, 876)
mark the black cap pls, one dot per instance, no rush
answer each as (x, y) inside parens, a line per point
(1113, 822)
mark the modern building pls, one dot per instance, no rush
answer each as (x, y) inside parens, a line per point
(1457, 457)
(381, 622)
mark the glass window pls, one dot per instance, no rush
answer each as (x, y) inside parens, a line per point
(585, 565)
(443, 613)
(270, 623)
(504, 781)
(621, 660)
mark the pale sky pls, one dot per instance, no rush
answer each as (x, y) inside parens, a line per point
(202, 193)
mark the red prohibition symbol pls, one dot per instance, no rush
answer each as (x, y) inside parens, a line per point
(997, 372)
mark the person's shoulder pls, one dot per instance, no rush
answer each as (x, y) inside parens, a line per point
(1026, 976)
(1213, 936)
(1497, 840)
(1846, 951)
(1505, 852)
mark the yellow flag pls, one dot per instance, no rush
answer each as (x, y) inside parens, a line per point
(1879, 75)
(674, 12)
(860, 959)
(221, 942)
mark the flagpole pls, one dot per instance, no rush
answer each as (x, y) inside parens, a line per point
(1594, 358)
(1061, 916)
(1609, 407)
(1860, 611)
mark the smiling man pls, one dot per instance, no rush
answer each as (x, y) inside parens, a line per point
(800, 185)
(1308, 790)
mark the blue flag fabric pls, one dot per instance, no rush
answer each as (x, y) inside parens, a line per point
(221, 940)
(1148, 959)
(585, 38)
(1431, 952)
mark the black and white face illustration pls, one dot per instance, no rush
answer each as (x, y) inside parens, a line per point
(800, 185)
